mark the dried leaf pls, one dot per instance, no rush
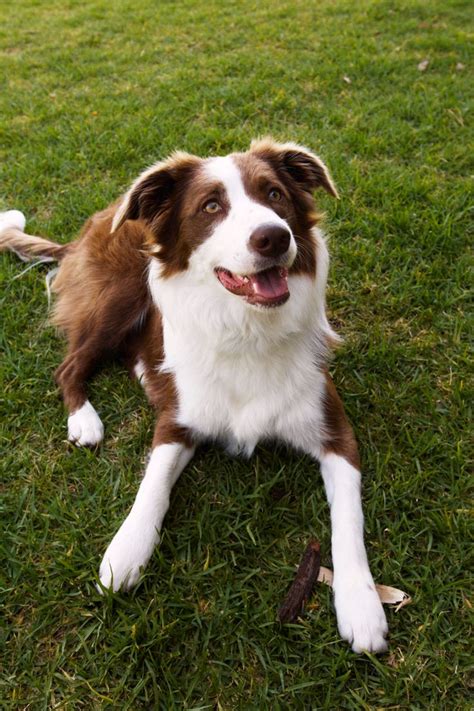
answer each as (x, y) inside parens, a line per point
(325, 576)
(460, 66)
(393, 596)
(346, 79)
(423, 66)
(387, 594)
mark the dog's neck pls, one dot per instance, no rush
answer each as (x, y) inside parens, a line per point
(226, 324)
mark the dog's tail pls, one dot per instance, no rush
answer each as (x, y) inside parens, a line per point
(27, 247)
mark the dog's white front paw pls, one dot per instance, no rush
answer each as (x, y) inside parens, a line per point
(360, 616)
(85, 427)
(129, 552)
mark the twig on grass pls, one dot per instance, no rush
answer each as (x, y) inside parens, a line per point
(303, 584)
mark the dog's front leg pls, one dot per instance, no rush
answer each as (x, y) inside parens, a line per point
(133, 544)
(360, 616)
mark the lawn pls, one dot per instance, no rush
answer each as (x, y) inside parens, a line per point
(94, 91)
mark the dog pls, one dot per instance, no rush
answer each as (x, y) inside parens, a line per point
(207, 278)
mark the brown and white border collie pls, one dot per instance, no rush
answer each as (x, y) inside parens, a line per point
(208, 278)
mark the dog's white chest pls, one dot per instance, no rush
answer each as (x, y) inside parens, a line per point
(241, 396)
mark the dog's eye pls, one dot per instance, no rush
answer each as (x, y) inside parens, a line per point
(274, 195)
(211, 206)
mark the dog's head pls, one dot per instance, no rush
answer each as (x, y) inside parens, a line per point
(243, 222)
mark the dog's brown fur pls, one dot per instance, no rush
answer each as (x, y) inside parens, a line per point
(103, 304)
(102, 297)
(340, 435)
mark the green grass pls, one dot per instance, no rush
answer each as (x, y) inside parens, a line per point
(94, 92)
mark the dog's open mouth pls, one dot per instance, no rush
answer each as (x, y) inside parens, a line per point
(266, 288)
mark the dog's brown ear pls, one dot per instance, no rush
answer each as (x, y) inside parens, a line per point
(152, 192)
(297, 163)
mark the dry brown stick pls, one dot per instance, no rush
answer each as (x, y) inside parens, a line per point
(301, 588)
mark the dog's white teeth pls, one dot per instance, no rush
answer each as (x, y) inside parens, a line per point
(245, 280)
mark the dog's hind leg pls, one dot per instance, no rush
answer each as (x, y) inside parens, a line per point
(85, 427)
(93, 341)
(99, 312)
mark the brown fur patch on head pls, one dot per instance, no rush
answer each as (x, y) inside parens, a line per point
(297, 163)
(151, 192)
(296, 173)
(169, 198)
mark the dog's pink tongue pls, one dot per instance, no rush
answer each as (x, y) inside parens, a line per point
(271, 283)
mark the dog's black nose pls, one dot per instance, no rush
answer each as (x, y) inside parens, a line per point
(270, 240)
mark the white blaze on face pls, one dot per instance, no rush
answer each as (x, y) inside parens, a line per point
(228, 246)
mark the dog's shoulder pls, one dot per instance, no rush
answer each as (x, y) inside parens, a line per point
(104, 277)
